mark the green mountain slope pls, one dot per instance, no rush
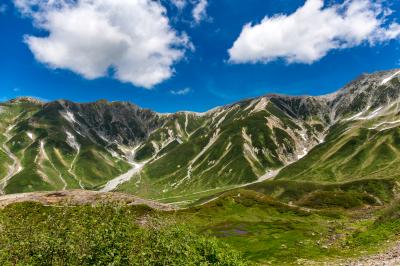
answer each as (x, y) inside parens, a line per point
(233, 145)
(362, 145)
(49, 154)
(351, 134)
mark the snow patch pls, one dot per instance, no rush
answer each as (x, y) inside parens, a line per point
(386, 80)
(359, 116)
(372, 115)
(268, 175)
(71, 141)
(385, 123)
(69, 116)
(186, 122)
(155, 146)
(30, 135)
(125, 177)
(304, 153)
(260, 106)
(354, 116)
(102, 137)
(113, 153)
(303, 134)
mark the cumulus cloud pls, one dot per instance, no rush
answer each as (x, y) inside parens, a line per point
(199, 11)
(132, 39)
(308, 34)
(181, 91)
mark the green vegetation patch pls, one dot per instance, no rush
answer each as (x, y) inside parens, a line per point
(33, 234)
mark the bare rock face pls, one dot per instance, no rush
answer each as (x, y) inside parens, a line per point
(122, 122)
(28, 100)
(369, 91)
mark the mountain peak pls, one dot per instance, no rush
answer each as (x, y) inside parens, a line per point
(26, 99)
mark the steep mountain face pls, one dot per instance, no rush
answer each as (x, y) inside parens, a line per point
(350, 134)
(230, 145)
(366, 93)
(364, 138)
(120, 122)
(63, 145)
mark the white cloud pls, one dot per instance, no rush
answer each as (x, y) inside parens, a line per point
(312, 31)
(131, 37)
(181, 91)
(199, 11)
(180, 4)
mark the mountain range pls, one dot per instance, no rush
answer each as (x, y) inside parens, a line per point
(349, 135)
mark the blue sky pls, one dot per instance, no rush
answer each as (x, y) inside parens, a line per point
(208, 58)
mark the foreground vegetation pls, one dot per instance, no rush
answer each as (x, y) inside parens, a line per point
(33, 234)
(288, 222)
(276, 222)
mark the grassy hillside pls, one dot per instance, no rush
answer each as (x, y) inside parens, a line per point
(51, 154)
(309, 225)
(351, 151)
(228, 146)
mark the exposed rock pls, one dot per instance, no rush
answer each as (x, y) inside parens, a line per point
(80, 197)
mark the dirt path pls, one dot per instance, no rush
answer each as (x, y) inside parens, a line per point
(80, 197)
(390, 257)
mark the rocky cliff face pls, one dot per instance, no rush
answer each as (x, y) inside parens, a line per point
(120, 122)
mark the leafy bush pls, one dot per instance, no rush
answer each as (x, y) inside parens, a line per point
(33, 234)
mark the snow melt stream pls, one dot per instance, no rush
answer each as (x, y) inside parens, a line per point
(125, 177)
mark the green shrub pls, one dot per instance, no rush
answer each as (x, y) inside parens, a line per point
(327, 199)
(33, 234)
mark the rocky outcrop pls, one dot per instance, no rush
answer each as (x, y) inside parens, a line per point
(80, 197)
